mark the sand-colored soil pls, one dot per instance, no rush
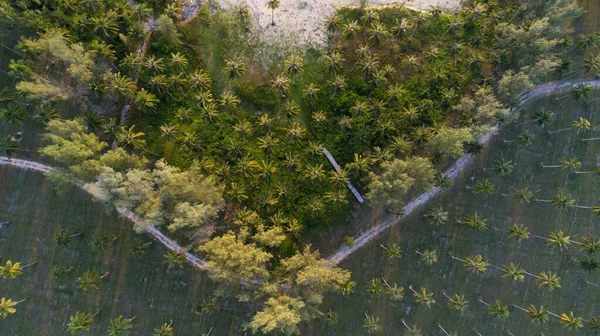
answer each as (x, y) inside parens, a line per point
(303, 21)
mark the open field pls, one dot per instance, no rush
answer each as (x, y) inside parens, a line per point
(137, 286)
(455, 239)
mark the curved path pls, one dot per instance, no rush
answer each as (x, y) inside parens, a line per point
(154, 232)
(459, 165)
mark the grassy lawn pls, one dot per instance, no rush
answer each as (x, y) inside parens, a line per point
(455, 239)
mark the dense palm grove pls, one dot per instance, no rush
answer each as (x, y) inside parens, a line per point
(203, 130)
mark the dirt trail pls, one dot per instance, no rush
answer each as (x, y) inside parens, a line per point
(459, 165)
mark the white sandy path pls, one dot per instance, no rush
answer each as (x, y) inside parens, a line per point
(154, 232)
(453, 172)
(303, 21)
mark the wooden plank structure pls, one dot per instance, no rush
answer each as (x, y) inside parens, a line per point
(335, 165)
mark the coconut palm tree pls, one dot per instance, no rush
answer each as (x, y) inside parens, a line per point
(423, 297)
(9, 147)
(558, 239)
(7, 306)
(571, 164)
(536, 315)
(411, 331)
(518, 232)
(503, 167)
(311, 92)
(474, 263)
(90, 280)
(371, 324)
(473, 222)
(333, 62)
(437, 215)
(496, 309)
(396, 293)
(523, 195)
(62, 237)
(594, 323)
(12, 115)
(456, 302)
(281, 84)
(273, 5)
(590, 245)
(484, 187)
(60, 271)
(164, 330)
(570, 321)
(235, 67)
(548, 279)
(391, 251)
(429, 257)
(293, 65)
(589, 264)
(175, 259)
(443, 181)
(129, 139)
(513, 271)
(10, 270)
(80, 322)
(562, 201)
(579, 125)
(120, 326)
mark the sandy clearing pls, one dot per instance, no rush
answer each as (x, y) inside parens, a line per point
(302, 22)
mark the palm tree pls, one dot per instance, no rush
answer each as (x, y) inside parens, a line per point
(542, 117)
(579, 125)
(129, 139)
(558, 239)
(391, 251)
(518, 232)
(483, 188)
(281, 84)
(154, 65)
(12, 270)
(99, 243)
(199, 80)
(411, 331)
(456, 302)
(138, 247)
(164, 330)
(503, 167)
(333, 62)
(7, 306)
(548, 279)
(110, 129)
(371, 324)
(120, 326)
(474, 223)
(589, 264)
(62, 237)
(60, 271)
(9, 147)
(570, 321)
(175, 259)
(474, 263)
(293, 65)
(234, 68)
(594, 323)
(396, 293)
(437, 215)
(513, 271)
(562, 201)
(496, 309)
(375, 287)
(523, 195)
(122, 86)
(179, 61)
(80, 322)
(443, 181)
(590, 245)
(423, 297)
(90, 280)
(12, 115)
(571, 164)
(273, 5)
(145, 100)
(45, 113)
(429, 257)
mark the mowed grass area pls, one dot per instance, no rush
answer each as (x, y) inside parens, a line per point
(137, 286)
(534, 255)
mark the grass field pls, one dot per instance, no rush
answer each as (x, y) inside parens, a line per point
(501, 212)
(137, 286)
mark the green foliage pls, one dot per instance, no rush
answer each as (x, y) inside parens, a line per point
(398, 177)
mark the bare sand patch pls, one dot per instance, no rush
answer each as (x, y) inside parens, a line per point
(302, 22)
